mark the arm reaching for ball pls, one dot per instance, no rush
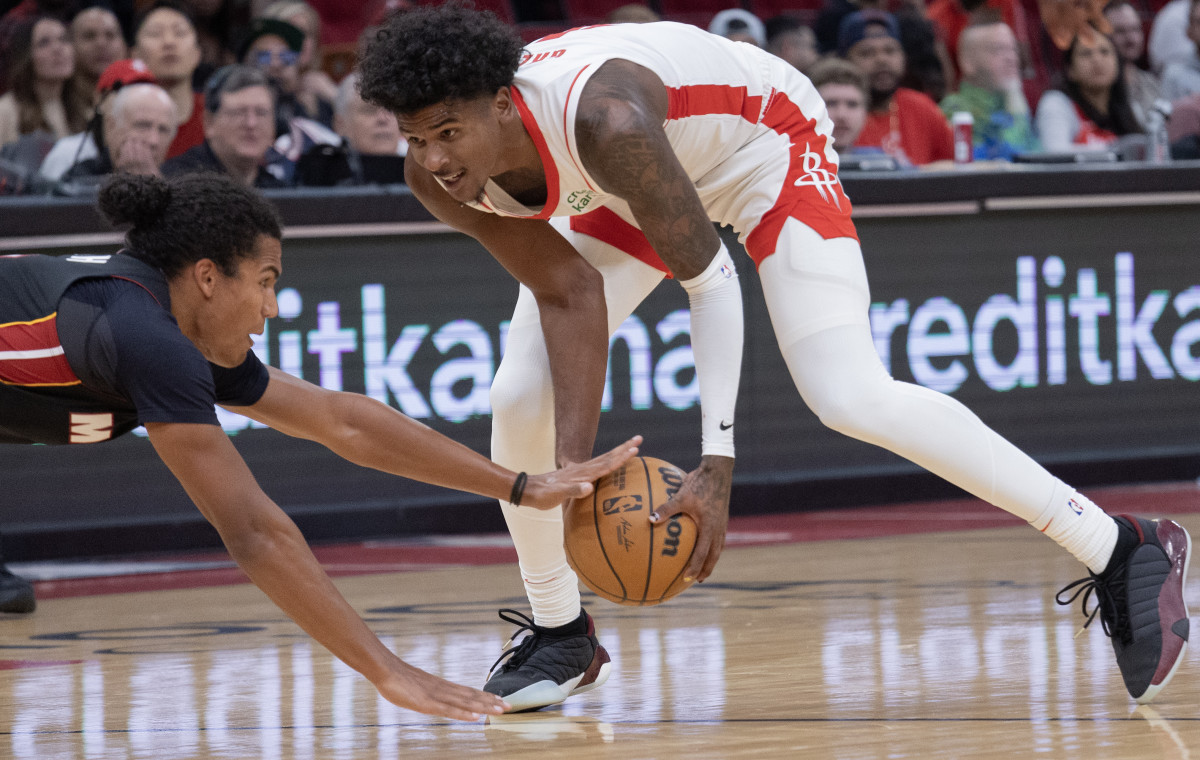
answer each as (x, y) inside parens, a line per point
(270, 549)
(372, 434)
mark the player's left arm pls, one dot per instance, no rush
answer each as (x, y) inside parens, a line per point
(372, 434)
(622, 143)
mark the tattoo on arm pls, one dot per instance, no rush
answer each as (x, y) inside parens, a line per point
(623, 145)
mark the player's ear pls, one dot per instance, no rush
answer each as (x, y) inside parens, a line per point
(204, 273)
(502, 102)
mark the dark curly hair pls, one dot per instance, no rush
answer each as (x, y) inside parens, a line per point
(430, 54)
(182, 220)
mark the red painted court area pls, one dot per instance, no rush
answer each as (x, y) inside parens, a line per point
(755, 530)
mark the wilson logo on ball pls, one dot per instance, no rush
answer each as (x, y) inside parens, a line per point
(671, 542)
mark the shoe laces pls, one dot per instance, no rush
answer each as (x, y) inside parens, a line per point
(517, 655)
(1111, 602)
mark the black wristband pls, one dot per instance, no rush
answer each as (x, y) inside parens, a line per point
(518, 490)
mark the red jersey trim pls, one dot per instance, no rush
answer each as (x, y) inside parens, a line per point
(604, 225)
(548, 165)
(140, 285)
(564, 32)
(707, 99)
(31, 354)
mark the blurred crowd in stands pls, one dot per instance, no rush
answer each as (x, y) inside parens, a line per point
(264, 90)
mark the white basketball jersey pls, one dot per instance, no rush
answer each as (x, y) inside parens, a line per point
(749, 130)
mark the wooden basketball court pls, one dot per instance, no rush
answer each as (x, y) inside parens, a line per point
(897, 644)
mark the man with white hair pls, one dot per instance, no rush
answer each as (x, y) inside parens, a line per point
(991, 92)
(138, 128)
(371, 149)
(84, 145)
(370, 129)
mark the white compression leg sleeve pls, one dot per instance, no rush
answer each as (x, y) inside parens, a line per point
(523, 440)
(817, 295)
(523, 426)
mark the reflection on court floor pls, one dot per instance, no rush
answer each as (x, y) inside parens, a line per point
(922, 646)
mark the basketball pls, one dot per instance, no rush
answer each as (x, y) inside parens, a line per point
(614, 548)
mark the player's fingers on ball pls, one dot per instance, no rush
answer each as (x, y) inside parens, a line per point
(667, 511)
(627, 449)
(695, 566)
(623, 453)
(710, 562)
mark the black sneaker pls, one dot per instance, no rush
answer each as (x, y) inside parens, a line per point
(16, 593)
(549, 665)
(1141, 605)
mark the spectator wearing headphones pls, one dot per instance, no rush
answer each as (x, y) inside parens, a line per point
(137, 128)
(85, 145)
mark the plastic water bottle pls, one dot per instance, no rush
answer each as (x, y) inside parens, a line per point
(1158, 150)
(963, 124)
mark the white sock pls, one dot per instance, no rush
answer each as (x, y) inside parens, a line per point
(1079, 526)
(554, 596)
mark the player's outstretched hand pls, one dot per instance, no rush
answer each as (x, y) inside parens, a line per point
(576, 480)
(704, 497)
(415, 689)
(1066, 19)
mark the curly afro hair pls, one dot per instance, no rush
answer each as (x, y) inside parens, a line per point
(430, 54)
(179, 221)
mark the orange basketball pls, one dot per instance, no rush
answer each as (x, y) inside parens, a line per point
(615, 549)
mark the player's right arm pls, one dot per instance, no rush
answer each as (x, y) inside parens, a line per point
(269, 548)
(570, 297)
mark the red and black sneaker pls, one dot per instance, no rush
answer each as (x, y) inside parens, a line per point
(549, 665)
(1141, 605)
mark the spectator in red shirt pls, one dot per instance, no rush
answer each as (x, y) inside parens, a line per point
(166, 40)
(903, 123)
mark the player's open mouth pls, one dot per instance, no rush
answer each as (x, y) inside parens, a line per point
(450, 179)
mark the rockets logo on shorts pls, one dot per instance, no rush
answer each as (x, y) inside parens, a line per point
(816, 175)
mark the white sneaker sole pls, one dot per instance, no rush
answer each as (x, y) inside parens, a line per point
(546, 693)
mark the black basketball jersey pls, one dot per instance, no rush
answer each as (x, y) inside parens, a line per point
(89, 350)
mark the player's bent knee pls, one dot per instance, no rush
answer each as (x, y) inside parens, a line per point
(858, 410)
(521, 404)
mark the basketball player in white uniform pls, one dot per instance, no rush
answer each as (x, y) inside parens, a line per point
(593, 162)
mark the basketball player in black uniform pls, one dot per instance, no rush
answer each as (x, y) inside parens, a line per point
(93, 346)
